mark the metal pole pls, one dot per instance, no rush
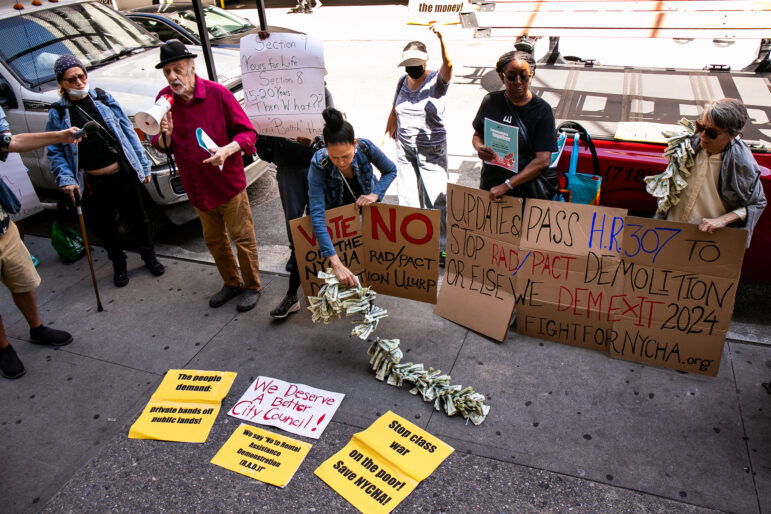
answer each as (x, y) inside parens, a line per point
(204, 36)
(261, 14)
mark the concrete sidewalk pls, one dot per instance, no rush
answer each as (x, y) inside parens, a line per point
(569, 430)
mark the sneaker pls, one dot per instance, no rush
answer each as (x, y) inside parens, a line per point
(248, 300)
(308, 10)
(224, 295)
(288, 305)
(10, 365)
(49, 336)
(155, 267)
(442, 259)
(119, 275)
(295, 10)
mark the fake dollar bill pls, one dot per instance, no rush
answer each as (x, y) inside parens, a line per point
(667, 186)
(434, 386)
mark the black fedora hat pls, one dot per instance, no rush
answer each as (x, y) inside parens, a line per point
(173, 50)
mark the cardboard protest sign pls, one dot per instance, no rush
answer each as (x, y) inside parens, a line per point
(15, 176)
(686, 280)
(344, 227)
(283, 79)
(402, 251)
(296, 408)
(380, 466)
(482, 254)
(565, 287)
(184, 406)
(443, 12)
(262, 455)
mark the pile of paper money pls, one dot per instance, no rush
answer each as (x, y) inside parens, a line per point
(667, 186)
(334, 298)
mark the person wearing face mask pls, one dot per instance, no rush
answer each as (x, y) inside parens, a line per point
(724, 186)
(217, 194)
(518, 107)
(416, 122)
(107, 168)
(341, 174)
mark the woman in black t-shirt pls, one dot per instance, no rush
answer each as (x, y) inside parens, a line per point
(517, 106)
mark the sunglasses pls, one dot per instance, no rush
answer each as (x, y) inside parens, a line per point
(80, 77)
(522, 77)
(710, 132)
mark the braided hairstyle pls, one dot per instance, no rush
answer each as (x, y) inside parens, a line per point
(515, 55)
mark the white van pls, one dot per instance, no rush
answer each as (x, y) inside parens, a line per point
(120, 58)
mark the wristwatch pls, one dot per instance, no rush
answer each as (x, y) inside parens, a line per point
(508, 184)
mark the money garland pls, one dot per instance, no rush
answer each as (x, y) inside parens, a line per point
(431, 384)
(667, 186)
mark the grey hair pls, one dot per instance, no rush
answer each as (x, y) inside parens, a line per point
(728, 114)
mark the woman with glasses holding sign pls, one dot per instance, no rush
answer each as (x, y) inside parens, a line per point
(341, 174)
(724, 186)
(516, 106)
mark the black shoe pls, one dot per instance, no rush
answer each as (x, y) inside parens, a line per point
(288, 305)
(49, 336)
(248, 300)
(10, 365)
(289, 265)
(155, 267)
(442, 259)
(119, 274)
(224, 295)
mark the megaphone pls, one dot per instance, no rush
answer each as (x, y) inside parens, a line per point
(149, 121)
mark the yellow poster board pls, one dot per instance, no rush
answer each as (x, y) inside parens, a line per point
(262, 455)
(380, 466)
(194, 385)
(184, 406)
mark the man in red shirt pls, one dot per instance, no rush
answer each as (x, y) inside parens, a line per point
(218, 195)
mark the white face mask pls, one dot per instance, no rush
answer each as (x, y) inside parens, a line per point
(78, 94)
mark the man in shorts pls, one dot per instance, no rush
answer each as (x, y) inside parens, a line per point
(17, 271)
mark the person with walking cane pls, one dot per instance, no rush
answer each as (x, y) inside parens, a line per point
(17, 271)
(108, 167)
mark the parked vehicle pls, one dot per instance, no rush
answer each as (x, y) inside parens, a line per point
(177, 20)
(120, 58)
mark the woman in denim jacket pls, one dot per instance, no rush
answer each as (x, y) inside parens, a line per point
(341, 174)
(113, 160)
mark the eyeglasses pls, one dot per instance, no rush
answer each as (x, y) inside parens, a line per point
(522, 77)
(710, 132)
(80, 77)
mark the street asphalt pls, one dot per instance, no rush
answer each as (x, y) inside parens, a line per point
(570, 430)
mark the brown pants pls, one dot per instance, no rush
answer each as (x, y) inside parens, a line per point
(235, 215)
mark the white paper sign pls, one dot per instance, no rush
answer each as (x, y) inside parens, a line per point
(443, 12)
(14, 174)
(283, 79)
(296, 408)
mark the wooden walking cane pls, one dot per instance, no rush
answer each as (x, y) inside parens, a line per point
(99, 307)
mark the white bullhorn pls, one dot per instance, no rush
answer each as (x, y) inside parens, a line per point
(149, 121)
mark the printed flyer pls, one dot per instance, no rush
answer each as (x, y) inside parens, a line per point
(504, 140)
